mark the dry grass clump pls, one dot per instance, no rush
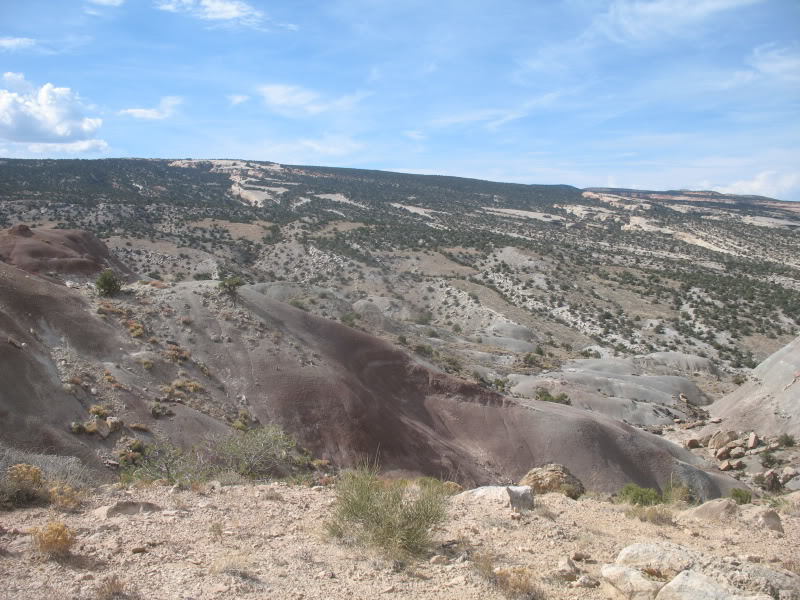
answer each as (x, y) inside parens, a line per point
(114, 588)
(393, 516)
(22, 484)
(657, 515)
(54, 539)
(238, 565)
(515, 583)
(65, 497)
(26, 478)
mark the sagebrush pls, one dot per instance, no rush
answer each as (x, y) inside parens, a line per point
(395, 516)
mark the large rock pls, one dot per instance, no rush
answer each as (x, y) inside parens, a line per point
(721, 439)
(553, 478)
(520, 497)
(666, 558)
(721, 509)
(691, 585)
(666, 561)
(124, 508)
(764, 518)
(628, 584)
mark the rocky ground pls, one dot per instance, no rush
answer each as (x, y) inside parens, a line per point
(269, 541)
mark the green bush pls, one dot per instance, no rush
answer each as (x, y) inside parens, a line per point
(396, 516)
(639, 496)
(256, 454)
(230, 286)
(769, 460)
(108, 283)
(162, 460)
(786, 440)
(741, 496)
(545, 396)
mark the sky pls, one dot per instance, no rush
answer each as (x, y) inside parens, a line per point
(654, 94)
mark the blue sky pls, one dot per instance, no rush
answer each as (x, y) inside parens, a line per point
(701, 94)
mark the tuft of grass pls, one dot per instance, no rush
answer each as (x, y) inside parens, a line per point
(786, 440)
(639, 496)
(657, 515)
(741, 496)
(515, 583)
(54, 539)
(395, 516)
(114, 588)
(65, 497)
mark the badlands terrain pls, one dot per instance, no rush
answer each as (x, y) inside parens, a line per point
(452, 328)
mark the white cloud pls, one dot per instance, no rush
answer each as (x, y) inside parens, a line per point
(16, 43)
(235, 99)
(108, 2)
(330, 145)
(79, 147)
(166, 108)
(45, 116)
(236, 11)
(776, 61)
(296, 101)
(497, 117)
(645, 20)
(765, 183)
(415, 135)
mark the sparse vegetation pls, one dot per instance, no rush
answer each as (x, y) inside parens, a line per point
(108, 283)
(639, 496)
(786, 440)
(54, 540)
(515, 583)
(395, 516)
(544, 395)
(657, 515)
(741, 496)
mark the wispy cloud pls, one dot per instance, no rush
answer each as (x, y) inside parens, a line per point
(230, 11)
(297, 101)
(107, 2)
(236, 99)
(166, 108)
(16, 43)
(494, 118)
(647, 20)
(45, 117)
(782, 62)
(415, 135)
(766, 183)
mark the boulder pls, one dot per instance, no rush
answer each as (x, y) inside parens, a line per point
(566, 570)
(692, 443)
(692, 585)
(721, 509)
(627, 583)
(752, 441)
(721, 438)
(763, 517)
(520, 497)
(723, 453)
(666, 562)
(787, 474)
(553, 478)
(124, 508)
(725, 465)
(666, 558)
(737, 452)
